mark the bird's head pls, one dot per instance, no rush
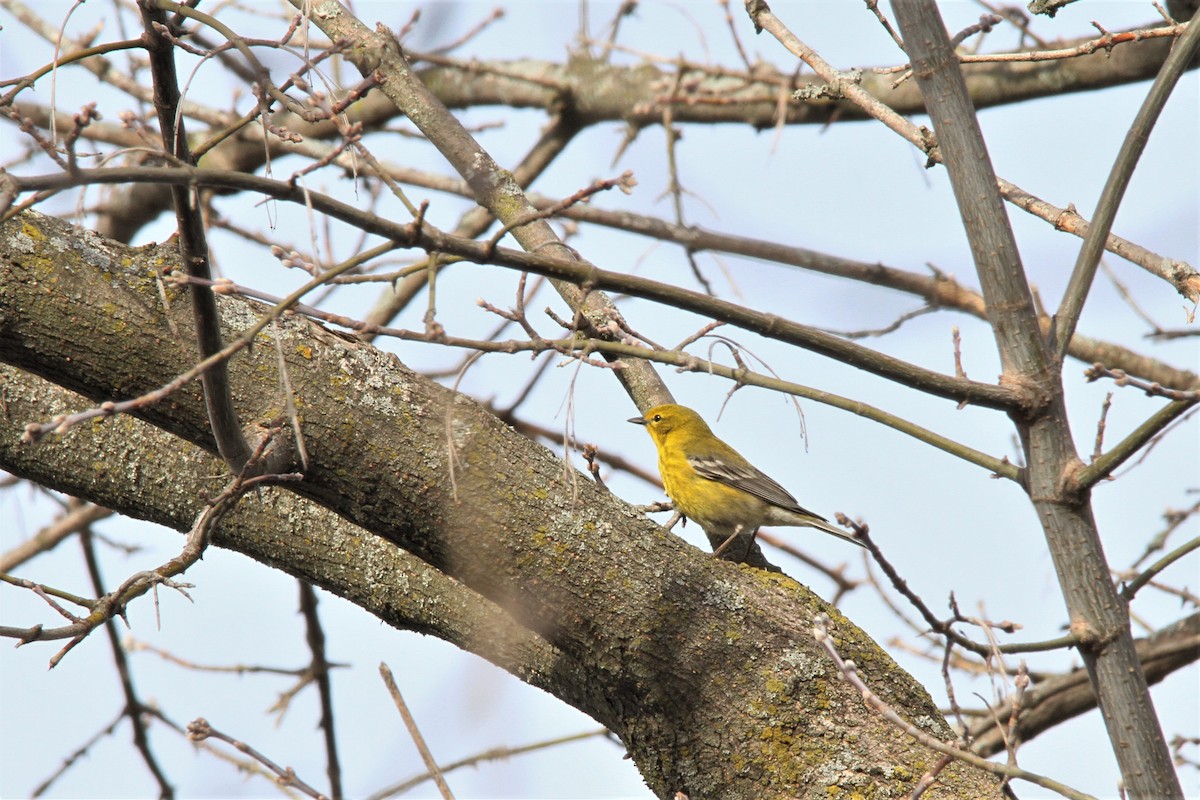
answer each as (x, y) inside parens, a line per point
(664, 420)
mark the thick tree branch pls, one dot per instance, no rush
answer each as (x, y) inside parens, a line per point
(127, 461)
(654, 653)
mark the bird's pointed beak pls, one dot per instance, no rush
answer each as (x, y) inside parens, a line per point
(637, 420)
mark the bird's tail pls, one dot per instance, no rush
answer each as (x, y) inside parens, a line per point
(823, 525)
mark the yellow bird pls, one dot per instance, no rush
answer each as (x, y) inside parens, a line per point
(712, 484)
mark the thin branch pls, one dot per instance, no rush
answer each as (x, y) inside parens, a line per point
(199, 729)
(75, 755)
(942, 627)
(133, 705)
(1174, 518)
(1132, 587)
(1152, 389)
(552, 142)
(577, 347)
(1131, 445)
(135, 646)
(415, 733)
(1114, 188)
(1101, 426)
(873, 7)
(193, 246)
(114, 603)
(493, 754)
(319, 667)
(1180, 274)
(75, 519)
(844, 85)
(1054, 699)
(625, 182)
(494, 188)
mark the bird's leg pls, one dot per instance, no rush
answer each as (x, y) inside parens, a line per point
(725, 544)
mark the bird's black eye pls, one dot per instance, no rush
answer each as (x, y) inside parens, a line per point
(658, 417)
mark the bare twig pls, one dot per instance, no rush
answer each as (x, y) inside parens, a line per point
(319, 666)
(493, 754)
(1137, 582)
(199, 729)
(1098, 371)
(944, 627)
(78, 516)
(419, 740)
(133, 704)
(1098, 447)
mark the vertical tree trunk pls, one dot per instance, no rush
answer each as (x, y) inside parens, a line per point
(1099, 617)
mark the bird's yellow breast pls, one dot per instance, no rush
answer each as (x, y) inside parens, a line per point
(712, 505)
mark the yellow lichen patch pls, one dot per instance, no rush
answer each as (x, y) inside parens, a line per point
(776, 747)
(820, 694)
(32, 231)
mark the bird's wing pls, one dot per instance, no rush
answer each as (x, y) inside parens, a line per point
(749, 480)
